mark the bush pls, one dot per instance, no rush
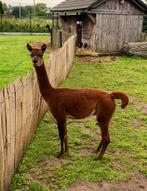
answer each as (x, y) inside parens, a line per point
(25, 25)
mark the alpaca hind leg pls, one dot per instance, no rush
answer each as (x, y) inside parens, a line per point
(104, 147)
(99, 148)
(105, 139)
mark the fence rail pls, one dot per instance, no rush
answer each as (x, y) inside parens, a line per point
(22, 108)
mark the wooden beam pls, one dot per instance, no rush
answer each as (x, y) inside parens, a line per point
(122, 1)
(114, 12)
(92, 18)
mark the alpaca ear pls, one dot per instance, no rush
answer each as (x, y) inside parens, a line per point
(29, 47)
(43, 47)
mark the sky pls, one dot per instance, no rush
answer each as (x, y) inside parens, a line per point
(50, 3)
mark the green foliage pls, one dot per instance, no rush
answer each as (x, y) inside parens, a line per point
(41, 170)
(16, 11)
(1, 8)
(25, 25)
(6, 7)
(41, 9)
(36, 186)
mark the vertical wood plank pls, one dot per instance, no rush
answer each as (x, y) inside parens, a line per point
(18, 119)
(7, 150)
(11, 128)
(2, 165)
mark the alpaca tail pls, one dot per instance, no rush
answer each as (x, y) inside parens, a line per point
(119, 95)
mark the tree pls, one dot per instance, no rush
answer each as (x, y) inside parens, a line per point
(6, 7)
(1, 8)
(16, 11)
(41, 9)
(28, 10)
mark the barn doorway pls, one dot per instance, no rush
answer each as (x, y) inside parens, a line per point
(79, 32)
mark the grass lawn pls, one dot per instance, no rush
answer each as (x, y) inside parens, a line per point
(14, 57)
(126, 156)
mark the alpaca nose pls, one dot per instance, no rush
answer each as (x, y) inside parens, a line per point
(35, 61)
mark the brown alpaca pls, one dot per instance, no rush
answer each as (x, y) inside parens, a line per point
(76, 103)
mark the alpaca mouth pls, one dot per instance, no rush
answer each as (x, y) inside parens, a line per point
(37, 64)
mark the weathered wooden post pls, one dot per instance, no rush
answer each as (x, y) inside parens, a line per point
(52, 43)
(30, 22)
(1, 23)
(1, 16)
(60, 39)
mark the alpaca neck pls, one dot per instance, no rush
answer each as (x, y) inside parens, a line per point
(43, 81)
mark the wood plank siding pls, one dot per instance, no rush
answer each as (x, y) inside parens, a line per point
(111, 32)
(106, 24)
(116, 24)
(114, 6)
(68, 25)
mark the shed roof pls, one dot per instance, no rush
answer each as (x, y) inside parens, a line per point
(69, 5)
(72, 5)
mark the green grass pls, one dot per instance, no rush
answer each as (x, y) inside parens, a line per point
(14, 57)
(126, 155)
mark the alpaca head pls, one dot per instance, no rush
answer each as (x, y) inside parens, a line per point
(37, 55)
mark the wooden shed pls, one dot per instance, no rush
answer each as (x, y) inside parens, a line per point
(105, 25)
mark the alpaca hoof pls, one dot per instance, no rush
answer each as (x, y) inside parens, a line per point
(100, 157)
(98, 150)
(67, 151)
(60, 155)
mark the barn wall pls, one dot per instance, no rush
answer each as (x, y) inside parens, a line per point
(111, 31)
(115, 24)
(68, 23)
(115, 6)
(88, 26)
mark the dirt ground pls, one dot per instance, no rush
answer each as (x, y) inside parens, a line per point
(98, 59)
(137, 183)
(89, 57)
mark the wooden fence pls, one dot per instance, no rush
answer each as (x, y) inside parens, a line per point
(22, 108)
(58, 37)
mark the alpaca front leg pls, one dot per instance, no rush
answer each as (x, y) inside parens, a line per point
(63, 137)
(99, 148)
(66, 139)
